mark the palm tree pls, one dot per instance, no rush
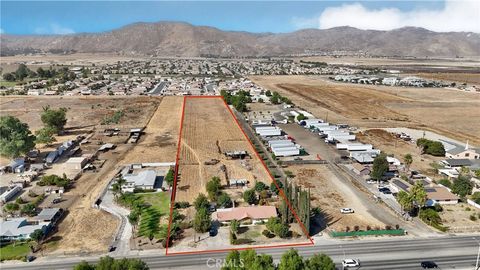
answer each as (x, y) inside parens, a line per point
(121, 181)
(405, 200)
(133, 219)
(407, 159)
(116, 189)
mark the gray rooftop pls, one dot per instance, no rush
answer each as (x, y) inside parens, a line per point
(47, 214)
(143, 178)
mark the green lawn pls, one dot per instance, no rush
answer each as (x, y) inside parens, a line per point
(16, 251)
(7, 84)
(159, 201)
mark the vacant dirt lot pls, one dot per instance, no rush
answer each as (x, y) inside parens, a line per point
(330, 195)
(448, 112)
(83, 112)
(457, 218)
(209, 130)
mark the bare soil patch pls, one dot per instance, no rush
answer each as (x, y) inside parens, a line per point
(330, 195)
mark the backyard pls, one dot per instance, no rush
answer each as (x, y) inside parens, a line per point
(14, 251)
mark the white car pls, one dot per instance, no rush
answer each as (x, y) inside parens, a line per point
(350, 263)
(347, 211)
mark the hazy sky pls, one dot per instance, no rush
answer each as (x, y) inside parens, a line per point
(66, 17)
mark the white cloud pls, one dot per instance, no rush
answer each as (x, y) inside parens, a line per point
(55, 29)
(456, 15)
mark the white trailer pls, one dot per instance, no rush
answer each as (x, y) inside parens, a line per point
(270, 132)
(287, 152)
(326, 128)
(265, 128)
(356, 146)
(282, 142)
(341, 137)
(316, 125)
(277, 147)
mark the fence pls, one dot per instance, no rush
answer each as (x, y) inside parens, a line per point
(368, 233)
(474, 204)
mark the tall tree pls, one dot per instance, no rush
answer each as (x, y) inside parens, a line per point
(15, 137)
(418, 194)
(462, 186)
(213, 188)
(408, 160)
(405, 200)
(202, 221)
(169, 178)
(37, 236)
(52, 118)
(320, 262)
(234, 226)
(201, 202)
(380, 167)
(45, 135)
(291, 260)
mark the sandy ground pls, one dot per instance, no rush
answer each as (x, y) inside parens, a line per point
(330, 195)
(448, 112)
(206, 123)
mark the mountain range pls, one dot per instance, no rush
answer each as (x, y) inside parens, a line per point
(186, 40)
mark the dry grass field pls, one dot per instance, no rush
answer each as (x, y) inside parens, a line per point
(470, 78)
(448, 112)
(159, 142)
(394, 63)
(209, 130)
(83, 112)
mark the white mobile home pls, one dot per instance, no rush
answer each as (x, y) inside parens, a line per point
(279, 142)
(286, 152)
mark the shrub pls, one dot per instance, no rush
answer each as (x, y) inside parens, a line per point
(181, 205)
(356, 228)
(438, 207)
(445, 182)
(268, 234)
(233, 238)
(473, 217)
(260, 186)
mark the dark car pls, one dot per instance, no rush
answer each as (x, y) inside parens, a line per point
(30, 258)
(112, 248)
(212, 232)
(428, 265)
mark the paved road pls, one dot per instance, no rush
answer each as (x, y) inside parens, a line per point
(315, 145)
(455, 252)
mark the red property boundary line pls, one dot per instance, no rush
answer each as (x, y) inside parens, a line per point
(174, 189)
